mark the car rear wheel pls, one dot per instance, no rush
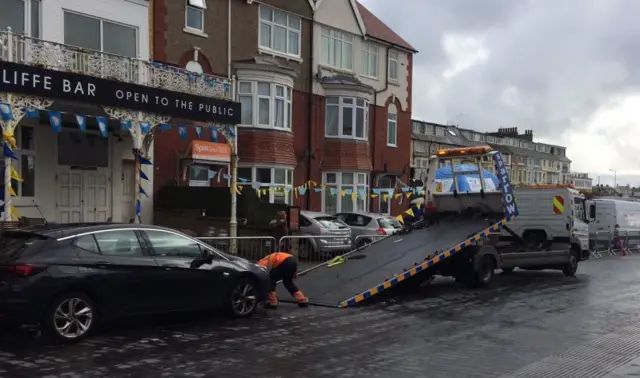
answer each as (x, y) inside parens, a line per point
(70, 317)
(243, 298)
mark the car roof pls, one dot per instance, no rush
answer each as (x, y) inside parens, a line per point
(314, 214)
(371, 215)
(60, 230)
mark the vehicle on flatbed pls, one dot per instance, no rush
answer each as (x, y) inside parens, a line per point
(530, 228)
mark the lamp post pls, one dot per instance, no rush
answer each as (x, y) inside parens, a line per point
(615, 176)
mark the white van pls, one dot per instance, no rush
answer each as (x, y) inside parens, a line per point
(604, 214)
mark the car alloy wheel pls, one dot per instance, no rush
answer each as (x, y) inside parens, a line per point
(244, 298)
(73, 318)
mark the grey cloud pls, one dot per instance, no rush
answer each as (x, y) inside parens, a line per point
(564, 59)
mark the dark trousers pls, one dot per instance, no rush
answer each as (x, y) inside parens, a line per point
(286, 272)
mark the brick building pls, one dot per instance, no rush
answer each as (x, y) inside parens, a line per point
(325, 88)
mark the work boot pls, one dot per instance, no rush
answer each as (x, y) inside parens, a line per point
(301, 299)
(272, 300)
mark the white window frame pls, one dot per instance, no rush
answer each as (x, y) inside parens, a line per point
(394, 61)
(331, 37)
(290, 27)
(19, 152)
(439, 131)
(357, 104)
(389, 198)
(360, 180)
(272, 97)
(392, 121)
(196, 6)
(288, 174)
(368, 51)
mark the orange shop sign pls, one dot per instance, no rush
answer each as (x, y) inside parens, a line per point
(209, 151)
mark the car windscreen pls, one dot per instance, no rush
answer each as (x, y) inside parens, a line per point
(13, 243)
(330, 222)
(389, 223)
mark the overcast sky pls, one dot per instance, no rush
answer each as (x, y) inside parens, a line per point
(568, 69)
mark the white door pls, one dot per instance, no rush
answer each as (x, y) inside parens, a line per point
(128, 191)
(95, 194)
(69, 202)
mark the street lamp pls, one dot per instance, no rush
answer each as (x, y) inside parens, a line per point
(615, 176)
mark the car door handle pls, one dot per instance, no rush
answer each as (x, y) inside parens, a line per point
(102, 264)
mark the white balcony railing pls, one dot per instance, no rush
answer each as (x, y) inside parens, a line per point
(60, 57)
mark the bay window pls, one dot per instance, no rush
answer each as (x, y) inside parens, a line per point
(346, 117)
(336, 49)
(278, 182)
(350, 182)
(13, 15)
(279, 31)
(265, 104)
(369, 60)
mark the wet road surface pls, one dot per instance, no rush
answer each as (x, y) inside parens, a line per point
(529, 324)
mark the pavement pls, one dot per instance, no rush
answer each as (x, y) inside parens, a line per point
(528, 324)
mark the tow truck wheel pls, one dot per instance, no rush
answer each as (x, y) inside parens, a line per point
(571, 267)
(483, 274)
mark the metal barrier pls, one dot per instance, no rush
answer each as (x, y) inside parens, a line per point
(308, 248)
(362, 240)
(604, 243)
(252, 248)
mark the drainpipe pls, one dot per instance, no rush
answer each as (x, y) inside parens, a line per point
(310, 123)
(375, 103)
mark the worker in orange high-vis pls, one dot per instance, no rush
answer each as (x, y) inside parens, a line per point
(282, 266)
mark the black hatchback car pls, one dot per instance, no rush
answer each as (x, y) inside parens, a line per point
(65, 278)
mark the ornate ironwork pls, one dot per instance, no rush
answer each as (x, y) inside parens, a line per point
(19, 103)
(61, 57)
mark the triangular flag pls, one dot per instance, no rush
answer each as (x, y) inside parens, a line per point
(31, 113)
(143, 192)
(410, 212)
(302, 190)
(182, 132)
(14, 174)
(125, 124)
(7, 152)
(12, 192)
(143, 176)
(199, 132)
(354, 196)
(103, 123)
(144, 160)
(400, 219)
(165, 127)
(81, 121)
(138, 207)
(5, 112)
(14, 212)
(145, 127)
(55, 119)
(214, 133)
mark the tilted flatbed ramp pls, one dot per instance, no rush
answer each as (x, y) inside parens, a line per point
(385, 263)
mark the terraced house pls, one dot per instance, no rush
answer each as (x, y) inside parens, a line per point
(325, 88)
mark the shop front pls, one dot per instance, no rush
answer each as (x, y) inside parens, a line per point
(78, 131)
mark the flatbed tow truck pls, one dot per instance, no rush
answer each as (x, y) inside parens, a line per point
(468, 239)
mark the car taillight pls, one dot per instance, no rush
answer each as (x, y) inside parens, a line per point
(22, 270)
(381, 231)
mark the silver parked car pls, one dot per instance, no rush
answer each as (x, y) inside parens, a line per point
(365, 227)
(315, 225)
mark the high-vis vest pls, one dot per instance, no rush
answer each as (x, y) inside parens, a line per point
(273, 260)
